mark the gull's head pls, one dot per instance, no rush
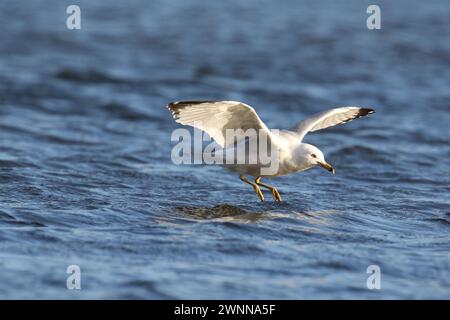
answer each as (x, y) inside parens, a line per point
(310, 156)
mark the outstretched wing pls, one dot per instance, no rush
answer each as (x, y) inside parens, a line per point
(330, 118)
(215, 117)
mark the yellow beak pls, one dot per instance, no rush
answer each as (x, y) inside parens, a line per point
(327, 166)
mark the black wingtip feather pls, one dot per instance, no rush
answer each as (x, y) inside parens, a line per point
(176, 106)
(180, 104)
(361, 113)
(365, 111)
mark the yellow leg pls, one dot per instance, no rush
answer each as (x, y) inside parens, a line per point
(255, 186)
(276, 195)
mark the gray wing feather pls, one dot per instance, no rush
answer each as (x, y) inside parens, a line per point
(215, 117)
(330, 118)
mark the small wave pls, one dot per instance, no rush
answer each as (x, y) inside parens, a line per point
(429, 138)
(365, 152)
(60, 139)
(149, 288)
(12, 164)
(443, 221)
(357, 149)
(91, 76)
(25, 223)
(334, 265)
(8, 219)
(6, 216)
(205, 70)
(126, 112)
(12, 178)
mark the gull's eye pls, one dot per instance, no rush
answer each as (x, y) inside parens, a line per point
(313, 155)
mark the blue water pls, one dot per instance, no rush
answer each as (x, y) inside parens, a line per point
(86, 176)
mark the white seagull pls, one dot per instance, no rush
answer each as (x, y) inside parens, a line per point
(216, 117)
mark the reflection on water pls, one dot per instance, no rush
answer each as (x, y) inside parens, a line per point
(219, 211)
(230, 213)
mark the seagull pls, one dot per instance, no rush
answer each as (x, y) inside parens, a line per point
(293, 155)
